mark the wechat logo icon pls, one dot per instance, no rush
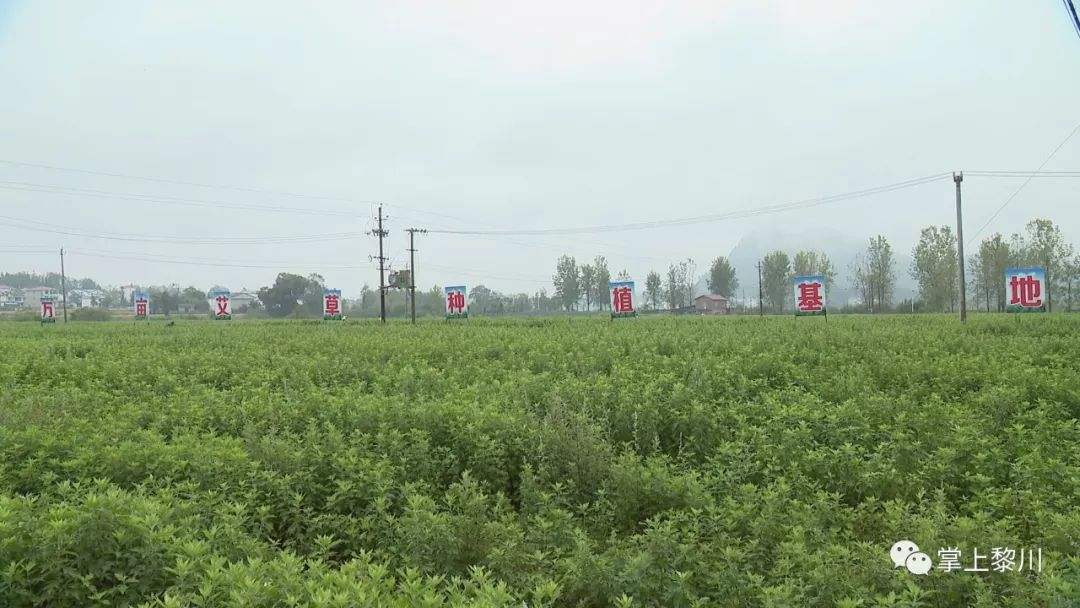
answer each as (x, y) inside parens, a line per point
(906, 554)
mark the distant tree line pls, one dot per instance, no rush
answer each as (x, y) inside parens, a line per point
(27, 280)
(873, 273)
(584, 287)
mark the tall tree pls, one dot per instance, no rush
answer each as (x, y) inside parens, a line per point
(776, 280)
(881, 269)
(565, 280)
(1071, 277)
(988, 267)
(1044, 245)
(653, 288)
(675, 288)
(291, 294)
(722, 279)
(603, 276)
(587, 284)
(810, 262)
(934, 267)
(193, 300)
(691, 278)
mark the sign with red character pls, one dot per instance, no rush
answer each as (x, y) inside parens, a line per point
(457, 302)
(142, 305)
(221, 304)
(1026, 290)
(809, 295)
(622, 299)
(331, 310)
(48, 309)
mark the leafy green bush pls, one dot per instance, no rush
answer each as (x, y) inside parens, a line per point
(91, 314)
(657, 462)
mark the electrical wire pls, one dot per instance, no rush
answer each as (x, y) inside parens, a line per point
(702, 219)
(1070, 8)
(180, 182)
(1023, 185)
(141, 258)
(114, 236)
(164, 200)
(150, 257)
(1033, 174)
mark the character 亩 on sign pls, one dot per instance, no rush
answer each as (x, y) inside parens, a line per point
(142, 305)
(1026, 288)
(810, 295)
(622, 299)
(457, 304)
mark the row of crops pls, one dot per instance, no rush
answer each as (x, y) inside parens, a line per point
(653, 462)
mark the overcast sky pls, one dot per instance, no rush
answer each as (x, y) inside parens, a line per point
(492, 114)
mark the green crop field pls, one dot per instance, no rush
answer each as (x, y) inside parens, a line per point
(736, 462)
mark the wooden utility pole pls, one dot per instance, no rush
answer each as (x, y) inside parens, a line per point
(412, 270)
(958, 178)
(382, 267)
(63, 283)
(760, 292)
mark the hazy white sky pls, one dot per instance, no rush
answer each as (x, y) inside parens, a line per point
(485, 114)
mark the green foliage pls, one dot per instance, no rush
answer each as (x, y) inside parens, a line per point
(776, 281)
(544, 462)
(91, 314)
(293, 295)
(934, 266)
(722, 279)
(567, 282)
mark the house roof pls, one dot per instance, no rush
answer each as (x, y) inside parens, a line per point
(711, 296)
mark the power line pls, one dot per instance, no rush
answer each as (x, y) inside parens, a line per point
(1024, 184)
(210, 264)
(1073, 16)
(164, 200)
(701, 219)
(116, 236)
(180, 182)
(152, 257)
(1017, 174)
(87, 192)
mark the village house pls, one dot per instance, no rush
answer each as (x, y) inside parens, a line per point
(712, 304)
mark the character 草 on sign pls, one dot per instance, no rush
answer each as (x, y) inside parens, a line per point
(810, 296)
(48, 309)
(1026, 289)
(622, 299)
(142, 305)
(457, 304)
(221, 304)
(331, 305)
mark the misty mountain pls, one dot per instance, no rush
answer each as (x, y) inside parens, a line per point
(841, 248)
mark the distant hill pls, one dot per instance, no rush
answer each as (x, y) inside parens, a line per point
(841, 248)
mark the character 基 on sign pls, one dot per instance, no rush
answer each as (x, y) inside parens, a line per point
(48, 309)
(1026, 288)
(622, 299)
(457, 303)
(331, 305)
(809, 295)
(142, 305)
(221, 304)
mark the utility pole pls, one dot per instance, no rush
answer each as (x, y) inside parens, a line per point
(412, 270)
(958, 178)
(760, 298)
(382, 267)
(63, 283)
